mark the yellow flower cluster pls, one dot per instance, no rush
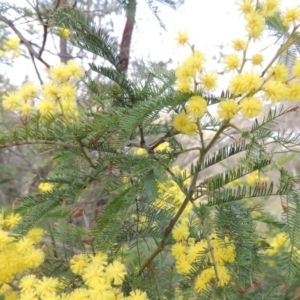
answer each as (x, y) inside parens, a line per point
(102, 280)
(11, 47)
(256, 177)
(57, 97)
(187, 252)
(249, 88)
(64, 33)
(18, 255)
(45, 187)
(277, 243)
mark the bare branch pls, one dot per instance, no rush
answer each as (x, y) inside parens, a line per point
(24, 40)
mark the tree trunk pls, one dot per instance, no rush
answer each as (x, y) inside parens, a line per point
(127, 34)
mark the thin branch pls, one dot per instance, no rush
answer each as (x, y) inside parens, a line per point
(24, 40)
(36, 69)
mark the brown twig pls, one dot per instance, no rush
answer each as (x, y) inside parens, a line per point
(23, 40)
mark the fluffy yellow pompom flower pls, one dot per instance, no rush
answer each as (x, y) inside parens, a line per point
(35, 234)
(12, 220)
(115, 272)
(180, 232)
(203, 280)
(183, 124)
(270, 7)
(227, 109)
(294, 91)
(232, 62)
(183, 266)
(196, 106)
(64, 33)
(184, 85)
(25, 109)
(28, 282)
(178, 250)
(239, 45)
(93, 275)
(279, 72)
(46, 286)
(59, 73)
(257, 59)
(275, 91)
(243, 83)
(78, 263)
(67, 91)
(224, 276)
(296, 68)
(182, 38)
(255, 177)
(250, 107)
(247, 6)
(28, 90)
(11, 101)
(45, 187)
(99, 258)
(291, 16)
(50, 91)
(255, 24)
(47, 107)
(209, 81)
(74, 70)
